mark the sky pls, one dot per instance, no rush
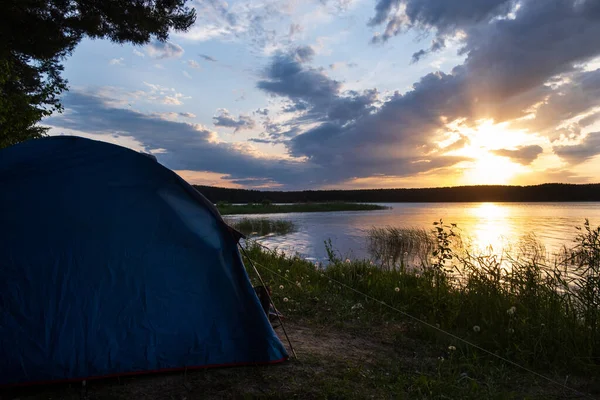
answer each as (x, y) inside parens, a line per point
(353, 94)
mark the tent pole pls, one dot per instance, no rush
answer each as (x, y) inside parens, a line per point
(270, 300)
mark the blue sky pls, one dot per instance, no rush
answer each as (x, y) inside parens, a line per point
(353, 93)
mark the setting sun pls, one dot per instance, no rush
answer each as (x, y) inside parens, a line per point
(480, 143)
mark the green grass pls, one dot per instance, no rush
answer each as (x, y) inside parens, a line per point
(262, 226)
(542, 314)
(229, 209)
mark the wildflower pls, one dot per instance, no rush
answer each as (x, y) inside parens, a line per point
(278, 270)
(357, 306)
(370, 273)
(298, 284)
(370, 262)
(511, 331)
(347, 261)
(397, 289)
(476, 328)
(317, 264)
(451, 348)
(543, 325)
(441, 359)
(405, 253)
(280, 286)
(285, 299)
(511, 310)
(287, 271)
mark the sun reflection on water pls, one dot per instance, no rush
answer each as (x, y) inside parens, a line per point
(490, 228)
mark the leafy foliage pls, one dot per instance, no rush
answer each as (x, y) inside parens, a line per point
(37, 35)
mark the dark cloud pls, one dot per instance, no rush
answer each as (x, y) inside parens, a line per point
(509, 62)
(225, 119)
(589, 120)
(578, 93)
(523, 155)
(187, 115)
(263, 112)
(445, 17)
(287, 76)
(161, 50)
(207, 58)
(186, 146)
(304, 54)
(576, 154)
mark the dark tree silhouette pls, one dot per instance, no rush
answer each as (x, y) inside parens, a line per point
(545, 192)
(37, 35)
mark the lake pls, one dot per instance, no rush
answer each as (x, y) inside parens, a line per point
(484, 224)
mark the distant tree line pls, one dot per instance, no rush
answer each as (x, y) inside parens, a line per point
(545, 192)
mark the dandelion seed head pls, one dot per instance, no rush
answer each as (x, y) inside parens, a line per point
(397, 289)
(476, 328)
(285, 299)
(280, 286)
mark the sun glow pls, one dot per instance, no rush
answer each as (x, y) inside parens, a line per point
(486, 168)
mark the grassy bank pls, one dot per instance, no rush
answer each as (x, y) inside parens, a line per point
(229, 209)
(542, 314)
(262, 226)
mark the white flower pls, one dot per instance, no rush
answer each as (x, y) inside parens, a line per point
(280, 286)
(511, 330)
(397, 289)
(347, 260)
(476, 328)
(298, 284)
(543, 325)
(317, 264)
(441, 359)
(357, 306)
(405, 253)
(451, 348)
(278, 270)
(511, 310)
(285, 299)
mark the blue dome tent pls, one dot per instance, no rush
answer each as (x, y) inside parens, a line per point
(111, 264)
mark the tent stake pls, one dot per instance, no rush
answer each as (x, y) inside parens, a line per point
(270, 300)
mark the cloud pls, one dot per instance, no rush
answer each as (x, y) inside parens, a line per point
(193, 64)
(116, 61)
(342, 64)
(187, 115)
(138, 53)
(294, 30)
(161, 50)
(516, 59)
(162, 95)
(445, 17)
(225, 119)
(588, 148)
(304, 54)
(263, 112)
(184, 146)
(207, 58)
(523, 155)
(187, 74)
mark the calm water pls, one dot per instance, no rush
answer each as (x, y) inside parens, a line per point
(495, 224)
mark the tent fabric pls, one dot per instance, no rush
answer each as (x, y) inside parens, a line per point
(111, 264)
